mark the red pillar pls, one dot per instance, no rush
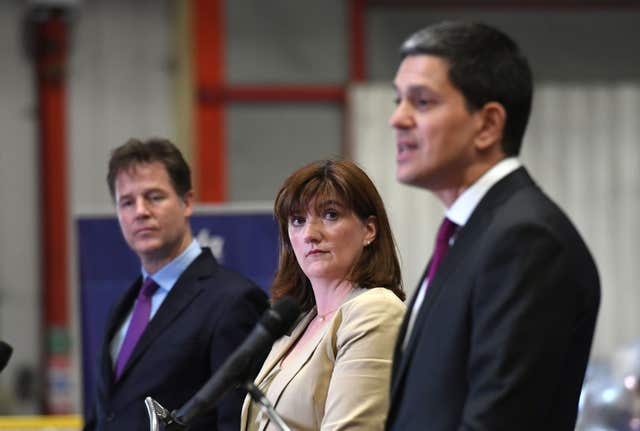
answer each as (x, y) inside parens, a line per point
(357, 52)
(51, 42)
(210, 135)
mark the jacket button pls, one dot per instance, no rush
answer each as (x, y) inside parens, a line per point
(111, 417)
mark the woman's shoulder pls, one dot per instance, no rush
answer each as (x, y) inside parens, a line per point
(370, 316)
(375, 301)
(375, 295)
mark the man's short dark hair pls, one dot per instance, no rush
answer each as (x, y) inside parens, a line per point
(486, 65)
(135, 152)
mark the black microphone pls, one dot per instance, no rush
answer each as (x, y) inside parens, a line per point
(275, 322)
(5, 353)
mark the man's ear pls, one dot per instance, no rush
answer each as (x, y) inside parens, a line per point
(187, 199)
(492, 117)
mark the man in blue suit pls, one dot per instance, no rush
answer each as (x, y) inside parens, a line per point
(499, 333)
(183, 316)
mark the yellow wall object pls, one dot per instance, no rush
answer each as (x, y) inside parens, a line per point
(38, 423)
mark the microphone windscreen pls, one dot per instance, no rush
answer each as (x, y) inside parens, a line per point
(280, 318)
(5, 353)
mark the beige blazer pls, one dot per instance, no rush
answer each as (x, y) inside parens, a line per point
(340, 379)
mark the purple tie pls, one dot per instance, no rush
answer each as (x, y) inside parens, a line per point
(447, 228)
(139, 320)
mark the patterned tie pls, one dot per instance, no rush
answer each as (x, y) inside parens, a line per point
(139, 320)
(446, 231)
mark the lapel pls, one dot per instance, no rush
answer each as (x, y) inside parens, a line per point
(294, 364)
(185, 290)
(461, 251)
(278, 350)
(397, 351)
(119, 313)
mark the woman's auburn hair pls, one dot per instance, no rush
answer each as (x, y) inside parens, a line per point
(317, 184)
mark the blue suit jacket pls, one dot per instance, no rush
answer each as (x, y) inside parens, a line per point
(502, 339)
(206, 315)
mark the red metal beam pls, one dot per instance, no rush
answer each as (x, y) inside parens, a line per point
(283, 93)
(212, 93)
(208, 54)
(357, 36)
(51, 36)
(357, 63)
(51, 69)
(511, 4)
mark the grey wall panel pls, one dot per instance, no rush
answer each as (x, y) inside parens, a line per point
(119, 84)
(284, 41)
(561, 45)
(268, 142)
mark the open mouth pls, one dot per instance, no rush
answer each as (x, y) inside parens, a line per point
(405, 148)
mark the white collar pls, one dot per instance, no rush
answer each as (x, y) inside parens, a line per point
(463, 207)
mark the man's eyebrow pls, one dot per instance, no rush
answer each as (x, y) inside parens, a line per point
(414, 88)
(154, 190)
(123, 196)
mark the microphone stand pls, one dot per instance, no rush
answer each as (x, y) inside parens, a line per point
(258, 397)
(160, 419)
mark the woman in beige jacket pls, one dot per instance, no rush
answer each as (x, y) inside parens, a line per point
(338, 260)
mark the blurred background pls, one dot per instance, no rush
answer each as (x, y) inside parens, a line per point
(250, 90)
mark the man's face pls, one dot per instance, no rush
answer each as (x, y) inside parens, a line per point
(153, 218)
(434, 129)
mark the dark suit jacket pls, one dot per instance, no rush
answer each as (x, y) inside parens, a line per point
(206, 315)
(503, 336)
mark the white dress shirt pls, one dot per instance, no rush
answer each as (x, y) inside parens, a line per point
(459, 213)
(165, 278)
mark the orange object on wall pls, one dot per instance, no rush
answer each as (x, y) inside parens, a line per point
(51, 39)
(209, 129)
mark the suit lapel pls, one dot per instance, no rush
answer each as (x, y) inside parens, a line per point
(467, 238)
(118, 315)
(278, 350)
(181, 295)
(402, 332)
(294, 364)
(446, 268)
(464, 246)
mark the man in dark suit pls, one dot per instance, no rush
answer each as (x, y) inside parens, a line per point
(498, 334)
(183, 316)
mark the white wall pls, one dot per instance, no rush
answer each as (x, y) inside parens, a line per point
(119, 87)
(19, 217)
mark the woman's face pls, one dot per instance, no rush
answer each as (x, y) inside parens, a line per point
(327, 245)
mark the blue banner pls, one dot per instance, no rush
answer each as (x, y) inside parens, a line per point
(244, 241)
